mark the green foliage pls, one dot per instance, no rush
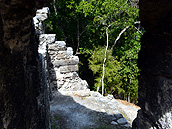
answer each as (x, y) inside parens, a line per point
(112, 78)
(117, 13)
(127, 51)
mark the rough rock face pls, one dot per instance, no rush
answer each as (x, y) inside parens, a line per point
(155, 81)
(23, 94)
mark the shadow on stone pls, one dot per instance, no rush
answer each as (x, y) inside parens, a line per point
(75, 112)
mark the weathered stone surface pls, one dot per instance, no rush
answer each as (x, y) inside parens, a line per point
(41, 15)
(82, 112)
(61, 43)
(61, 55)
(122, 121)
(52, 47)
(114, 123)
(73, 61)
(69, 51)
(47, 38)
(68, 69)
(23, 101)
(119, 116)
(155, 81)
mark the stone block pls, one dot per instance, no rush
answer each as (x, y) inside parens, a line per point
(44, 10)
(68, 69)
(118, 116)
(61, 55)
(52, 47)
(69, 51)
(122, 121)
(41, 17)
(60, 82)
(42, 48)
(114, 123)
(65, 62)
(47, 38)
(61, 43)
(51, 53)
(68, 75)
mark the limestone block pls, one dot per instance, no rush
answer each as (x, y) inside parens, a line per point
(61, 82)
(61, 55)
(61, 43)
(80, 85)
(72, 76)
(52, 47)
(68, 69)
(75, 75)
(35, 21)
(42, 48)
(68, 75)
(44, 10)
(118, 116)
(41, 17)
(65, 62)
(47, 38)
(59, 76)
(51, 53)
(114, 119)
(42, 14)
(84, 84)
(114, 123)
(122, 121)
(69, 51)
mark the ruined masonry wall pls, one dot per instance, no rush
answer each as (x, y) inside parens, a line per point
(61, 65)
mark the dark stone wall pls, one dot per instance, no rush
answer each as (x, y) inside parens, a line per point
(155, 62)
(23, 93)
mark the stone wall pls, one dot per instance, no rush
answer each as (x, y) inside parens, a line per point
(155, 81)
(61, 64)
(63, 68)
(23, 91)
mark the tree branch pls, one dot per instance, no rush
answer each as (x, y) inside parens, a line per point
(54, 5)
(83, 30)
(137, 22)
(138, 30)
(119, 36)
